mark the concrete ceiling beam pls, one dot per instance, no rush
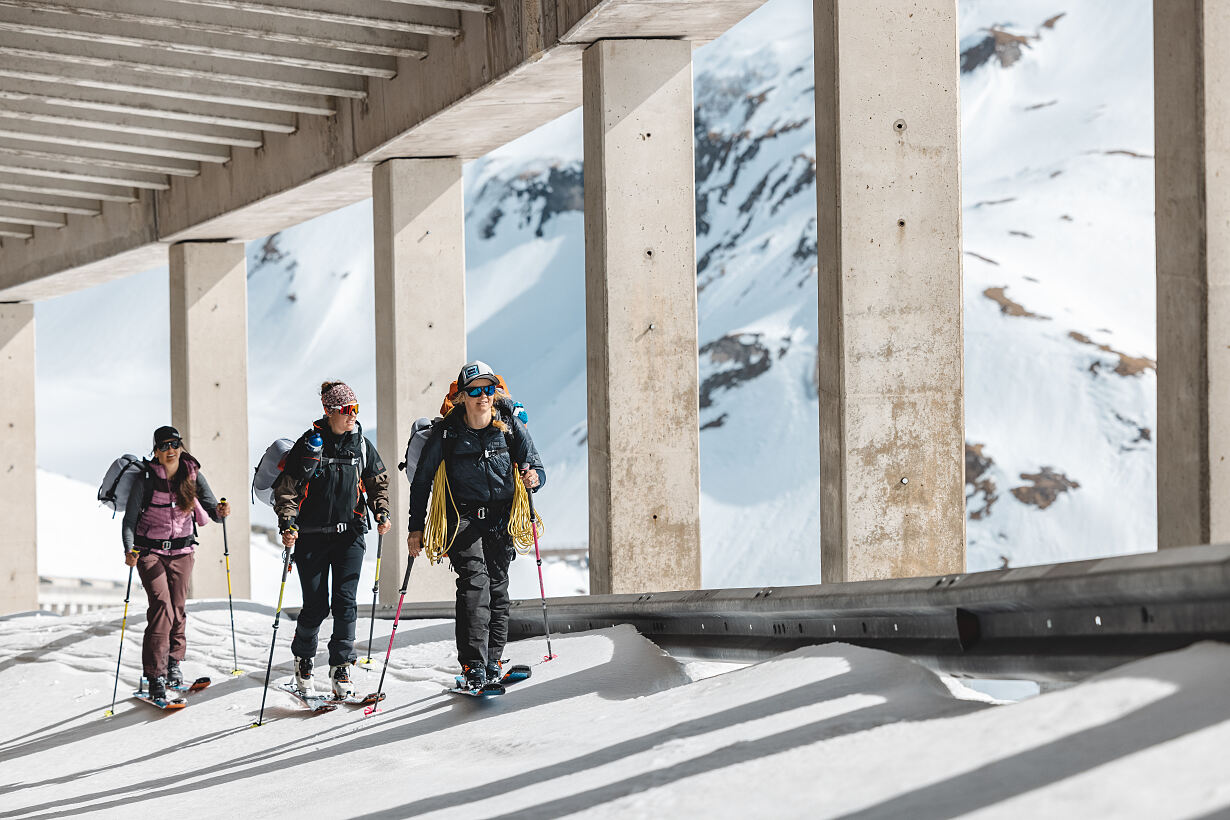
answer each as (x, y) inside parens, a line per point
(166, 64)
(14, 127)
(456, 5)
(169, 108)
(81, 172)
(130, 82)
(28, 216)
(15, 231)
(48, 203)
(19, 108)
(251, 27)
(10, 147)
(367, 13)
(23, 183)
(22, 17)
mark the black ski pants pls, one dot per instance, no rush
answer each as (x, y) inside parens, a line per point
(316, 556)
(480, 555)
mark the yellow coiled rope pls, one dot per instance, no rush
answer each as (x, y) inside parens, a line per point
(436, 530)
(519, 525)
(436, 540)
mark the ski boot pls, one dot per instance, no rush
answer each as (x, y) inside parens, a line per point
(303, 675)
(495, 671)
(158, 688)
(174, 676)
(343, 687)
(476, 676)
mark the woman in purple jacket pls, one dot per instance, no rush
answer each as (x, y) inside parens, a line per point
(160, 541)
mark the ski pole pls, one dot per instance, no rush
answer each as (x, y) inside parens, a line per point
(226, 554)
(379, 695)
(277, 615)
(123, 624)
(375, 590)
(546, 626)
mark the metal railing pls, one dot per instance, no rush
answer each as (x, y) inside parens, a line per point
(1054, 622)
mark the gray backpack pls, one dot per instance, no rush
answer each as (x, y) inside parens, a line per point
(420, 432)
(117, 484)
(274, 460)
(268, 469)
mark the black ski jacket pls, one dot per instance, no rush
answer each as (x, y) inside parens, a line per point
(331, 494)
(479, 464)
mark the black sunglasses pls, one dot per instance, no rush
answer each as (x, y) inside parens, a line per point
(173, 444)
(484, 390)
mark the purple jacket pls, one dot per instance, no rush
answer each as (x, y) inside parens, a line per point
(163, 520)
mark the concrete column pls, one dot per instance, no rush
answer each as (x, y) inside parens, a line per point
(888, 187)
(18, 469)
(209, 396)
(1192, 189)
(420, 333)
(640, 317)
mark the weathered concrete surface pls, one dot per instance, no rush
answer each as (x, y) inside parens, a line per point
(1192, 117)
(509, 72)
(640, 317)
(209, 396)
(18, 536)
(120, 241)
(653, 18)
(889, 233)
(420, 332)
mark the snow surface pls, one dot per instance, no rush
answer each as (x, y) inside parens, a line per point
(612, 728)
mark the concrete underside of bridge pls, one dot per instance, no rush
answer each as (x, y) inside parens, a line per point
(491, 72)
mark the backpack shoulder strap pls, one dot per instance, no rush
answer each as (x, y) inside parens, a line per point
(147, 493)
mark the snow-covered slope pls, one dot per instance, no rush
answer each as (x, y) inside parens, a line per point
(611, 728)
(1060, 382)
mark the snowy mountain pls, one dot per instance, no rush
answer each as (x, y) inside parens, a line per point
(1059, 300)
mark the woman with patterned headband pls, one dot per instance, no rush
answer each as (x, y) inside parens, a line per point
(331, 477)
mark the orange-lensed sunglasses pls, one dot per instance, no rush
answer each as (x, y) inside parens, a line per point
(347, 409)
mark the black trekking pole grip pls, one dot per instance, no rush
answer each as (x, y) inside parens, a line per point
(405, 584)
(277, 616)
(230, 605)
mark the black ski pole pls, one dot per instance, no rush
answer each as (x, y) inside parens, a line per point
(379, 694)
(375, 590)
(123, 623)
(226, 554)
(546, 625)
(276, 617)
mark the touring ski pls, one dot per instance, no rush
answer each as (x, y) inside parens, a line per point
(165, 705)
(359, 700)
(315, 702)
(196, 686)
(489, 689)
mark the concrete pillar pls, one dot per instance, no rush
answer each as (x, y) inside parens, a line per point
(209, 396)
(888, 188)
(1192, 190)
(419, 228)
(18, 469)
(640, 317)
